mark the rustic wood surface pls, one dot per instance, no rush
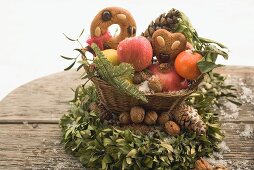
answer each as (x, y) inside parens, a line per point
(30, 135)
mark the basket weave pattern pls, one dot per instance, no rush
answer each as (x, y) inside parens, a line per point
(117, 102)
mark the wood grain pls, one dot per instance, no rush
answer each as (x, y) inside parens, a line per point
(33, 146)
(42, 99)
(38, 146)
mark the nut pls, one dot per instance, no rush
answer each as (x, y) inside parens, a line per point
(150, 118)
(175, 45)
(141, 76)
(137, 114)
(125, 118)
(220, 167)
(160, 41)
(93, 106)
(97, 31)
(154, 84)
(163, 118)
(137, 79)
(172, 128)
(202, 164)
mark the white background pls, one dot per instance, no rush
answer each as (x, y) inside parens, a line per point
(31, 38)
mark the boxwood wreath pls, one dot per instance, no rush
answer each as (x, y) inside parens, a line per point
(104, 144)
(100, 145)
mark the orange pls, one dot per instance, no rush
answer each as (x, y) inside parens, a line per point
(186, 64)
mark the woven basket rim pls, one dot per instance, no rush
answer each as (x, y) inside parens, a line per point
(190, 89)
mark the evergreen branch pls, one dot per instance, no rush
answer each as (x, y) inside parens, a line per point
(117, 75)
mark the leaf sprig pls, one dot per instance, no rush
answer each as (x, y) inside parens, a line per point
(209, 49)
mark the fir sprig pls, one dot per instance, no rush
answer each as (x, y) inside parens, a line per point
(117, 76)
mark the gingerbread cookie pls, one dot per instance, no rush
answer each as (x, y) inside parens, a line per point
(107, 17)
(167, 45)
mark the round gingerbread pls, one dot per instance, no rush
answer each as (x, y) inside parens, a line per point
(108, 17)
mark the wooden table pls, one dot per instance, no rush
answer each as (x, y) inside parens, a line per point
(30, 135)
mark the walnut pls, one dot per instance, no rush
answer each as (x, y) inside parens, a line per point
(202, 164)
(141, 76)
(163, 118)
(125, 118)
(154, 84)
(150, 118)
(137, 114)
(172, 128)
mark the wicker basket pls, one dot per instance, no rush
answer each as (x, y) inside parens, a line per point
(117, 102)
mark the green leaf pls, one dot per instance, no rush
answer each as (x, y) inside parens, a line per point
(70, 66)
(206, 66)
(128, 160)
(81, 33)
(114, 75)
(214, 49)
(107, 141)
(69, 38)
(80, 66)
(67, 58)
(132, 153)
(206, 40)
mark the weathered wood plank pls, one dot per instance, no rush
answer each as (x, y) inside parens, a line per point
(42, 99)
(27, 146)
(47, 98)
(38, 146)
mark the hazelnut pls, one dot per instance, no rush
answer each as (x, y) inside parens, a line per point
(220, 167)
(202, 164)
(137, 114)
(172, 128)
(150, 118)
(125, 118)
(137, 79)
(154, 84)
(93, 106)
(163, 118)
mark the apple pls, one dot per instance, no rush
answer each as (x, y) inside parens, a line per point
(111, 55)
(169, 79)
(136, 51)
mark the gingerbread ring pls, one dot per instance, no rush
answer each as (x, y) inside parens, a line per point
(167, 45)
(109, 16)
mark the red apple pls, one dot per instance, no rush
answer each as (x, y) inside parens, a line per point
(136, 51)
(169, 79)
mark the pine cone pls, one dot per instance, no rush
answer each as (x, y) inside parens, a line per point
(166, 21)
(188, 118)
(104, 114)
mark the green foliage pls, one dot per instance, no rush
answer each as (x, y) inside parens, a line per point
(117, 75)
(101, 146)
(209, 49)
